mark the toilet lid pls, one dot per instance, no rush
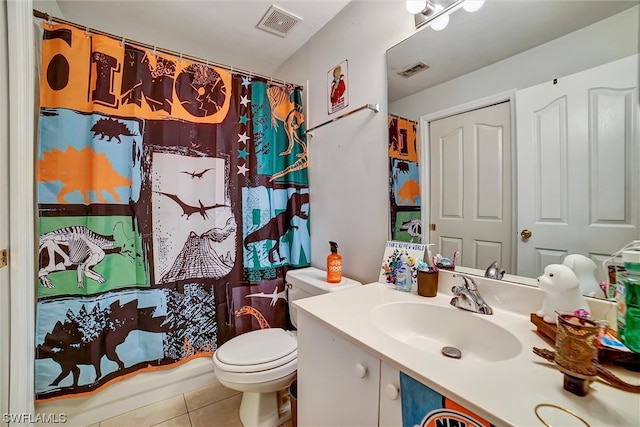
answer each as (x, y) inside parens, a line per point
(257, 347)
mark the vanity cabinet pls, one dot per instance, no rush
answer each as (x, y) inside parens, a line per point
(390, 404)
(341, 384)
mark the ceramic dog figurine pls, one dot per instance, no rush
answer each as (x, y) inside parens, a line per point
(562, 292)
(585, 269)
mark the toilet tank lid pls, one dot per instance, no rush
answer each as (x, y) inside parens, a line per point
(309, 278)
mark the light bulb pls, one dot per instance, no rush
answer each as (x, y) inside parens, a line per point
(416, 6)
(441, 21)
(472, 5)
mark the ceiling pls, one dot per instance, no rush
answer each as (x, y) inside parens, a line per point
(500, 29)
(223, 32)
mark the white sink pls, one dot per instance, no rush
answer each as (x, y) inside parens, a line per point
(429, 328)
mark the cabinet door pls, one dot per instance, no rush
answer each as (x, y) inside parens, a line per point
(390, 403)
(338, 383)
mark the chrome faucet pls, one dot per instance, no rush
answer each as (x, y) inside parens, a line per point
(467, 297)
(494, 271)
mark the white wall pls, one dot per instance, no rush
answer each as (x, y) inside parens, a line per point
(348, 158)
(597, 44)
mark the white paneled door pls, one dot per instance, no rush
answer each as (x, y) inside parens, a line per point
(577, 162)
(470, 182)
(4, 217)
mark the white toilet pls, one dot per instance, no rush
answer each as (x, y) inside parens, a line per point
(263, 363)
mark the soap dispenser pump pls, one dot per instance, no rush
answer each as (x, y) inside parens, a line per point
(334, 265)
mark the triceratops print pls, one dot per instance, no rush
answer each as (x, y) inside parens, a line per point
(82, 170)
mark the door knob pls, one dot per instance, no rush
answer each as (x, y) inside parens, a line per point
(525, 234)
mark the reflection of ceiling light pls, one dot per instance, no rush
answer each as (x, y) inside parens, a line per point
(416, 6)
(441, 22)
(472, 5)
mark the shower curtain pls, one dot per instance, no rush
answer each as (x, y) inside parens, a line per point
(404, 181)
(173, 197)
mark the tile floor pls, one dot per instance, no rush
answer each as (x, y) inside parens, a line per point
(211, 406)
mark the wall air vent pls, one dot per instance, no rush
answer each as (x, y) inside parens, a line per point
(277, 21)
(413, 69)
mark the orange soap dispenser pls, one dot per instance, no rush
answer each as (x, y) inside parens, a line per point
(334, 265)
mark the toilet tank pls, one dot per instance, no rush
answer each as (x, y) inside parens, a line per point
(311, 281)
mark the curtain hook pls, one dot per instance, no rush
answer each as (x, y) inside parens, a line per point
(180, 56)
(49, 20)
(122, 42)
(86, 31)
(154, 50)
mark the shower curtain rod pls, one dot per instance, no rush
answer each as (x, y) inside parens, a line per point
(395, 116)
(49, 18)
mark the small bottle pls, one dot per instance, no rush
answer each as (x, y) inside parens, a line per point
(403, 275)
(334, 264)
(629, 310)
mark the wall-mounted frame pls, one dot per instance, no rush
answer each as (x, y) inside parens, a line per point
(338, 87)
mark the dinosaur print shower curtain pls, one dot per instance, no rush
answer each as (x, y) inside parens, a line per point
(172, 196)
(404, 181)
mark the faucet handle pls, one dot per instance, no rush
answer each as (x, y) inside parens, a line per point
(469, 283)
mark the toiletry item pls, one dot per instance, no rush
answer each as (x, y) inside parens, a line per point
(334, 264)
(428, 283)
(429, 254)
(403, 275)
(629, 308)
(608, 340)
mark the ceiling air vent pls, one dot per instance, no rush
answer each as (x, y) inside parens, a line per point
(414, 69)
(277, 21)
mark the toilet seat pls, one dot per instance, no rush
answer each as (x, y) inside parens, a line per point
(258, 351)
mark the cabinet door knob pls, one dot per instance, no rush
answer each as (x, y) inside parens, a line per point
(392, 391)
(361, 370)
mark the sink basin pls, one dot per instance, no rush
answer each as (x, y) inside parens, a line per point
(429, 328)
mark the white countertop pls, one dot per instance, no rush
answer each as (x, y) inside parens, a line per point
(504, 392)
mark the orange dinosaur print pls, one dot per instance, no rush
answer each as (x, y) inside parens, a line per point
(409, 191)
(81, 170)
(262, 322)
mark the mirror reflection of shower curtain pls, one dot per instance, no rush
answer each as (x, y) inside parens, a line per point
(173, 198)
(404, 181)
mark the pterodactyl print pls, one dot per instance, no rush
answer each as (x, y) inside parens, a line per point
(195, 174)
(189, 210)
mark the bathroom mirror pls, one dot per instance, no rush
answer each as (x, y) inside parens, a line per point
(502, 52)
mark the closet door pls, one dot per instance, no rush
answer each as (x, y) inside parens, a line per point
(471, 186)
(578, 156)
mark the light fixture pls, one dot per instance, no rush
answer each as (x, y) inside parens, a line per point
(416, 6)
(433, 12)
(472, 5)
(441, 22)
